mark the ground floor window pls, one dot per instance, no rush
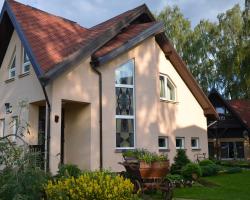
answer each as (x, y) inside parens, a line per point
(232, 150)
(195, 143)
(163, 142)
(180, 142)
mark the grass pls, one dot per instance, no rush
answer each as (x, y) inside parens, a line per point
(230, 186)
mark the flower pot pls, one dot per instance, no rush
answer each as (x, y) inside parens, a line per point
(153, 170)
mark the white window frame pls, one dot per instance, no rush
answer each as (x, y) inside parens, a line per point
(182, 141)
(2, 125)
(128, 116)
(14, 126)
(12, 69)
(166, 142)
(166, 80)
(25, 63)
(197, 142)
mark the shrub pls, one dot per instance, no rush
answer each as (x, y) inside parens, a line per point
(210, 170)
(174, 177)
(180, 160)
(68, 170)
(233, 170)
(191, 171)
(91, 185)
(206, 162)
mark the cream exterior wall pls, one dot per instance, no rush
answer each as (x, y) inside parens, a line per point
(25, 88)
(80, 85)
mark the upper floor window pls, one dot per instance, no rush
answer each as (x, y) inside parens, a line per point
(167, 89)
(12, 66)
(2, 124)
(26, 62)
(125, 112)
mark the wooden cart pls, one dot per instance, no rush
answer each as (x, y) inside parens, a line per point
(147, 177)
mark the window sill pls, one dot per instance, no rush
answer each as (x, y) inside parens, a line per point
(168, 101)
(196, 149)
(123, 150)
(9, 80)
(24, 74)
(164, 150)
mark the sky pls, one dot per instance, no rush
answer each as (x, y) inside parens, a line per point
(91, 12)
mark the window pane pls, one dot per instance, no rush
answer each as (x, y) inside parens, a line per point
(162, 87)
(162, 142)
(124, 74)
(26, 58)
(13, 64)
(124, 101)
(170, 91)
(179, 143)
(26, 67)
(124, 133)
(195, 142)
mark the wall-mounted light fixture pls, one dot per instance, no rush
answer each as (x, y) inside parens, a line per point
(8, 108)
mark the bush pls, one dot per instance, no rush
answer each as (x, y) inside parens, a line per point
(191, 171)
(206, 162)
(233, 170)
(210, 170)
(91, 185)
(174, 177)
(68, 170)
(180, 160)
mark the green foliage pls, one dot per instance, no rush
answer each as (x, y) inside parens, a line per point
(145, 155)
(20, 178)
(68, 170)
(180, 160)
(91, 185)
(206, 162)
(233, 170)
(210, 170)
(191, 171)
(217, 53)
(174, 177)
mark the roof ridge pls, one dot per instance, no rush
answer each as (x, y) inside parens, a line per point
(47, 13)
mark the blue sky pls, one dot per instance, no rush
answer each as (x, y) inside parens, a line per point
(91, 12)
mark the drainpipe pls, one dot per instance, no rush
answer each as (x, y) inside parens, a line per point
(48, 126)
(93, 65)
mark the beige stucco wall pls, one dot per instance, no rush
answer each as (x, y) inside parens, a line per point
(77, 134)
(184, 118)
(22, 88)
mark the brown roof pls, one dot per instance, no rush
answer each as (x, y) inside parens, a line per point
(242, 108)
(127, 34)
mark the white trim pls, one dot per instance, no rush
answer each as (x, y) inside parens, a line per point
(182, 142)
(166, 142)
(134, 105)
(197, 142)
(166, 80)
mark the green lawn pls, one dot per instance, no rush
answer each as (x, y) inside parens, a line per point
(230, 186)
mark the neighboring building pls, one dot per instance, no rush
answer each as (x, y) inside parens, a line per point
(229, 135)
(94, 92)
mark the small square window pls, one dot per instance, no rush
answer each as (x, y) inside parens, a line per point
(195, 143)
(180, 143)
(163, 142)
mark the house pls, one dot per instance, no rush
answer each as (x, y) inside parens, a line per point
(228, 137)
(92, 93)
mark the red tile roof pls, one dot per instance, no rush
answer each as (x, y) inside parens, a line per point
(129, 33)
(242, 107)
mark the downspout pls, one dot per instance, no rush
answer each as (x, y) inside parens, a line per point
(93, 66)
(48, 127)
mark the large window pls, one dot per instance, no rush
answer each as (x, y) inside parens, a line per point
(167, 89)
(2, 124)
(26, 62)
(12, 66)
(125, 111)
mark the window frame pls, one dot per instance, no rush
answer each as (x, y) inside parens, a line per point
(24, 64)
(183, 143)
(10, 70)
(134, 105)
(2, 131)
(166, 142)
(198, 143)
(166, 80)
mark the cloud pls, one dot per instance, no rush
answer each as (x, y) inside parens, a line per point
(91, 12)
